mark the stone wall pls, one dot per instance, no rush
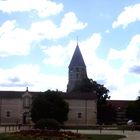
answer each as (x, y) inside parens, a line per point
(10, 111)
(82, 112)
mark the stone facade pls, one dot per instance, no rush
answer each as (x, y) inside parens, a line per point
(10, 110)
(15, 107)
(82, 112)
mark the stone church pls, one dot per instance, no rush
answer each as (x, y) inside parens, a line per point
(15, 105)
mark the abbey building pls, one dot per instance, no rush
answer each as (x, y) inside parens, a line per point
(15, 105)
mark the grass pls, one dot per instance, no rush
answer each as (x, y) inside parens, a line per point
(5, 136)
(105, 137)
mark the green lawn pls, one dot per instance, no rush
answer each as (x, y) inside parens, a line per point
(89, 137)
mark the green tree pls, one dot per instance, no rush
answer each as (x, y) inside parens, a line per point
(133, 111)
(49, 105)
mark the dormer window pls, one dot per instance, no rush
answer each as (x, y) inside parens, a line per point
(26, 102)
(27, 99)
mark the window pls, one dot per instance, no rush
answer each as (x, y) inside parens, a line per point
(77, 75)
(8, 114)
(71, 70)
(77, 69)
(79, 115)
(26, 102)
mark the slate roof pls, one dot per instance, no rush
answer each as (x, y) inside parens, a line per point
(80, 95)
(72, 95)
(77, 58)
(15, 94)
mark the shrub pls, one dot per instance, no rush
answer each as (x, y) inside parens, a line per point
(50, 124)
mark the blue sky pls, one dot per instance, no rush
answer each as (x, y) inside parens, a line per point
(38, 38)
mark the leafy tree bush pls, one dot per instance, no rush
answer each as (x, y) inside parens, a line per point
(50, 124)
(49, 105)
(133, 111)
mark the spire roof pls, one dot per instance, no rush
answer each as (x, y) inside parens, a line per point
(77, 58)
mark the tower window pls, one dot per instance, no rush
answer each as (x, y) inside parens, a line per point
(77, 75)
(8, 114)
(71, 70)
(77, 69)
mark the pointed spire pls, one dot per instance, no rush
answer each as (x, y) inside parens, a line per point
(26, 89)
(77, 41)
(77, 58)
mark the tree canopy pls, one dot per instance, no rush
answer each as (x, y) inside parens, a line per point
(88, 85)
(133, 111)
(49, 105)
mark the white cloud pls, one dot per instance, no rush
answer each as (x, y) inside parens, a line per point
(17, 41)
(130, 57)
(21, 76)
(126, 92)
(43, 8)
(89, 46)
(55, 55)
(47, 29)
(18, 75)
(70, 23)
(13, 40)
(107, 31)
(129, 15)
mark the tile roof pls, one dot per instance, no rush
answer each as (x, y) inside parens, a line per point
(120, 104)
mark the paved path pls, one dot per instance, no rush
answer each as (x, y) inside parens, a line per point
(130, 135)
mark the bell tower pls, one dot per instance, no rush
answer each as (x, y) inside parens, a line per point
(77, 70)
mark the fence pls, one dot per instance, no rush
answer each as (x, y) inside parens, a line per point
(13, 128)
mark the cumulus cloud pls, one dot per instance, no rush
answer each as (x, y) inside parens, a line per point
(48, 30)
(130, 14)
(17, 77)
(130, 58)
(23, 76)
(131, 54)
(18, 41)
(55, 55)
(14, 40)
(126, 92)
(42, 8)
